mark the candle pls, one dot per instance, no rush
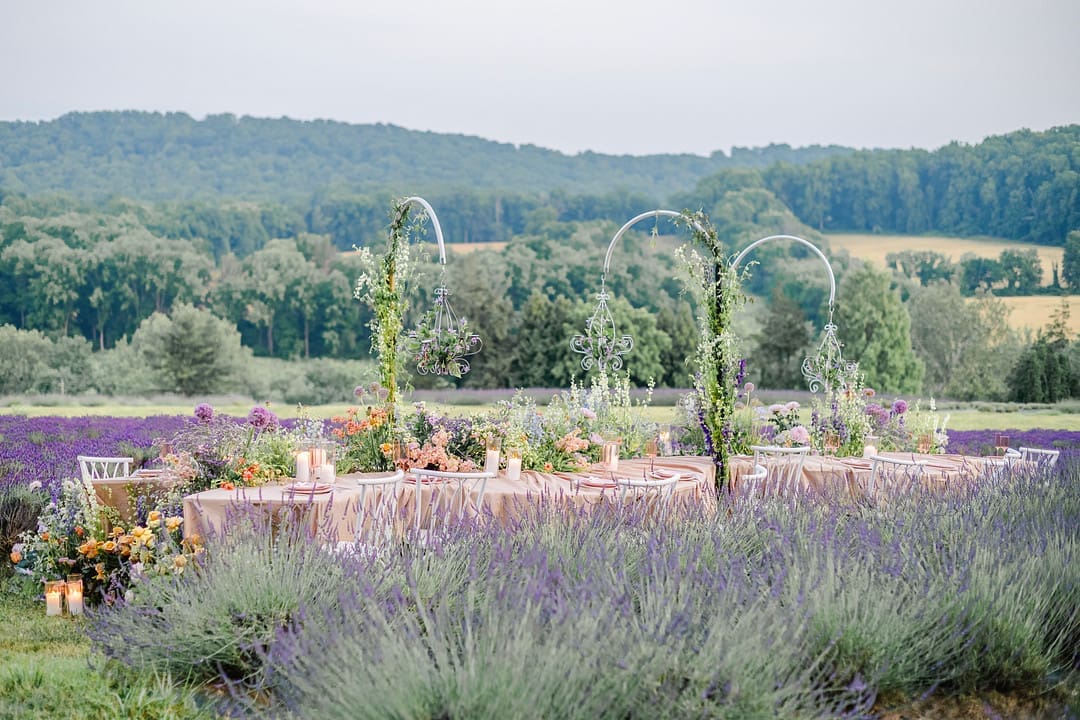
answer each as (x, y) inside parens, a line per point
(318, 457)
(513, 463)
(327, 473)
(74, 594)
(54, 590)
(491, 461)
(870, 446)
(303, 466)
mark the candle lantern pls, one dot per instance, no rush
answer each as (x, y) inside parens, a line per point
(74, 590)
(54, 597)
(513, 463)
(870, 445)
(609, 454)
(491, 455)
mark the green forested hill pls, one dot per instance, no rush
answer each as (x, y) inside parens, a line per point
(173, 157)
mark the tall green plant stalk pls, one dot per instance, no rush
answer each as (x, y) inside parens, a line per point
(383, 286)
(717, 359)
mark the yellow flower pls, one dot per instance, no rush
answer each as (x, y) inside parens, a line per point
(109, 546)
(99, 568)
(172, 523)
(153, 520)
(386, 448)
(179, 563)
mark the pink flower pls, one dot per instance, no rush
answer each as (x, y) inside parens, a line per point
(588, 413)
(749, 387)
(800, 435)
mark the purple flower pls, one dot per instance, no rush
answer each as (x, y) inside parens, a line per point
(899, 407)
(204, 413)
(261, 418)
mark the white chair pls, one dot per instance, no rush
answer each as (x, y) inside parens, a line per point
(104, 468)
(893, 476)
(1043, 459)
(376, 509)
(655, 491)
(751, 484)
(783, 468)
(446, 491)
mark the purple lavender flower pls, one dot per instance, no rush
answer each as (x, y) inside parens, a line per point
(204, 413)
(261, 418)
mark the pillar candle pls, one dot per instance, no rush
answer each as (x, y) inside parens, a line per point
(513, 468)
(327, 473)
(491, 461)
(75, 601)
(53, 598)
(610, 455)
(303, 466)
(318, 457)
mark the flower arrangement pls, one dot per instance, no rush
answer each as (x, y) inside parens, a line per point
(839, 422)
(367, 439)
(434, 442)
(213, 451)
(75, 535)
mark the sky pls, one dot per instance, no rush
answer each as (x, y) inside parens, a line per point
(608, 76)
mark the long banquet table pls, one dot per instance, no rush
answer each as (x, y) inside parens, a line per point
(208, 511)
(827, 474)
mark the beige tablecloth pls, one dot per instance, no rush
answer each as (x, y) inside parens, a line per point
(122, 493)
(336, 512)
(851, 475)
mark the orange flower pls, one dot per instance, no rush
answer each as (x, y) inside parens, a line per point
(89, 549)
(109, 546)
(79, 530)
(45, 536)
(99, 568)
(387, 449)
(16, 556)
(227, 486)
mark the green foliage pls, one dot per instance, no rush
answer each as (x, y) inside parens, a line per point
(781, 345)
(1070, 264)
(19, 510)
(966, 345)
(192, 351)
(30, 362)
(876, 330)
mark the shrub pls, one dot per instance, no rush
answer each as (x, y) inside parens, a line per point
(19, 510)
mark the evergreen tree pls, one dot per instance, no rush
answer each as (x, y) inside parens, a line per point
(781, 344)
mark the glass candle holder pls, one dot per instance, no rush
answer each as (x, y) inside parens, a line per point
(652, 447)
(54, 597)
(870, 445)
(324, 462)
(609, 455)
(74, 591)
(513, 463)
(832, 442)
(926, 442)
(491, 455)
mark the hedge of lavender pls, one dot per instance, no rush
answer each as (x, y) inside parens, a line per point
(821, 610)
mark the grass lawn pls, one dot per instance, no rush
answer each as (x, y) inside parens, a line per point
(46, 671)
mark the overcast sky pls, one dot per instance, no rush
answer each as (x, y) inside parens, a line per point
(612, 76)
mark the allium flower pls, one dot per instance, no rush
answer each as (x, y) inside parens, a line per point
(899, 407)
(869, 392)
(261, 418)
(204, 413)
(749, 387)
(799, 435)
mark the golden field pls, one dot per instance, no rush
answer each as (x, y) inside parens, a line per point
(876, 247)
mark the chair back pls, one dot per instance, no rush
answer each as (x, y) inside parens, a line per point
(751, 484)
(1043, 459)
(104, 468)
(376, 510)
(894, 476)
(447, 494)
(783, 468)
(655, 491)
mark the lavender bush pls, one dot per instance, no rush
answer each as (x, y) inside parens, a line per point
(772, 610)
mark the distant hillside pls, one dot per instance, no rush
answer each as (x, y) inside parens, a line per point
(173, 157)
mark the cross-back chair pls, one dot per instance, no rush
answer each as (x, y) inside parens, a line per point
(447, 493)
(894, 476)
(655, 491)
(104, 468)
(783, 468)
(1043, 459)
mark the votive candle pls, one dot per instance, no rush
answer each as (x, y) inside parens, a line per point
(609, 455)
(491, 460)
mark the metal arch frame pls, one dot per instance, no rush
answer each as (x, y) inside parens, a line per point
(807, 243)
(434, 222)
(634, 221)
